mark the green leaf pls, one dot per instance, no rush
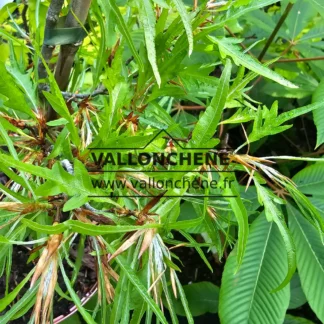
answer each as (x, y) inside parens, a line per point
(123, 29)
(4, 302)
(234, 51)
(29, 296)
(246, 297)
(318, 97)
(23, 80)
(85, 228)
(266, 198)
(310, 259)
(59, 105)
(207, 124)
(15, 97)
(58, 179)
(202, 298)
(86, 316)
(299, 17)
(240, 213)
(318, 5)
(184, 301)
(310, 180)
(47, 229)
(289, 319)
(186, 22)
(134, 279)
(75, 202)
(297, 296)
(147, 18)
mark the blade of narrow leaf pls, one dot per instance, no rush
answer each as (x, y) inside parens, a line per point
(14, 154)
(240, 214)
(147, 19)
(207, 124)
(47, 229)
(86, 316)
(133, 278)
(282, 118)
(4, 302)
(246, 297)
(121, 289)
(30, 294)
(59, 105)
(186, 22)
(240, 58)
(84, 228)
(124, 30)
(169, 301)
(198, 249)
(184, 301)
(241, 10)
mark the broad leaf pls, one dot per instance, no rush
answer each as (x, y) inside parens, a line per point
(318, 97)
(310, 259)
(247, 297)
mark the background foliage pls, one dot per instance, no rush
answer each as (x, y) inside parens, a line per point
(244, 75)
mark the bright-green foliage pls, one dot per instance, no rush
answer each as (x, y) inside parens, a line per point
(165, 76)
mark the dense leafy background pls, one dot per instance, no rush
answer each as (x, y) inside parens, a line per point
(207, 73)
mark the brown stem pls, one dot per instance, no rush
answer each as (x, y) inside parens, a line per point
(51, 21)
(303, 59)
(275, 31)
(70, 96)
(47, 52)
(79, 9)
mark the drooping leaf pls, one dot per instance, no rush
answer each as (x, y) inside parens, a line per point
(240, 213)
(186, 22)
(234, 51)
(147, 19)
(86, 316)
(207, 124)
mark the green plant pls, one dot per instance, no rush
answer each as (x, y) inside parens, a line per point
(152, 79)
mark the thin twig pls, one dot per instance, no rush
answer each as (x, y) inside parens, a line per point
(51, 21)
(275, 31)
(24, 18)
(70, 95)
(47, 52)
(302, 59)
